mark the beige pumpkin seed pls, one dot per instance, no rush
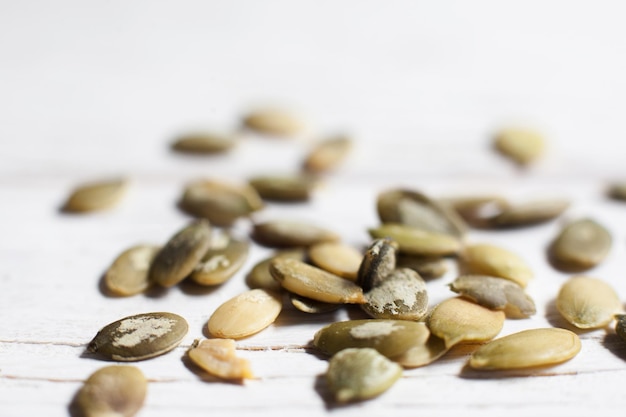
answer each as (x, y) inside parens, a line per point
(204, 143)
(291, 234)
(273, 122)
(580, 245)
(180, 255)
(389, 337)
(529, 213)
(139, 337)
(620, 325)
(307, 305)
(283, 187)
(315, 283)
(336, 258)
(112, 391)
(401, 295)
(496, 294)
(418, 241)
(427, 268)
(357, 374)
(587, 302)
(476, 211)
(260, 276)
(617, 191)
(523, 146)
(457, 320)
(422, 354)
(129, 272)
(245, 314)
(220, 263)
(218, 358)
(219, 202)
(486, 259)
(95, 196)
(527, 349)
(326, 155)
(378, 262)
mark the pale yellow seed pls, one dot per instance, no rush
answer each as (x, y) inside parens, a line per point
(587, 302)
(424, 353)
(95, 196)
(273, 121)
(486, 259)
(327, 154)
(523, 146)
(337, 258)
(218, 358)
(129, 272)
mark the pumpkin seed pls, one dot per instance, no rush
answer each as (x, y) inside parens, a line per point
(579, 246)
(180, 255)
(283, 187)
(307, 305)
(245, 314)
(291, 234)
(587, 302)
(422, 354)
(95, 196)
(219, 202)
(219, 264)
(327, 154)
(529, 213)
(486, 259)
(204, 143)
(496, 294)
(356, 374)
(315, 283)
(274, 122)
(617, 191)
(527, 349)
(477, 211)
(336, 258)
(129, 272)
(260, 276)
(112, 391)
(418, 241)
(427, 267)
(523, 146)
(139, 337)
(379, 260)
(457, 320)
(402, 295)
(620, 325)
(218, 358)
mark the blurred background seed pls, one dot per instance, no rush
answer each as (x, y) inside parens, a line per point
(285, 187)
(522, 146)
(273, 122)
(579, 246)
(95, 196)
(204, 143)
(529, 213)
(426, 267)
(327, 154)
(291, 234)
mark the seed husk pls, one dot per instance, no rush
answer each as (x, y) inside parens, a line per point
(529, 213)
(291, 234)
(129, 273)
(114, 390)
(220, 263)
(204, 143)
(416, 209)
(587, 302)
(286, 188)
(307, 305)
(486, 259)
(378, 262)
(401, 295)
(260, 276)
(139, 337)
(337, 258)
(95, 196)
(477, 211)
(356, 374)
(620, 325)
(219, 202)
(617, 191)
(458, 320)
(418, 241)
(495, 293)
(424, 353)
(180, 255)
(428, 268)
(245, 314)
(522, 146)
(315, 283)
(527, 349)
(579, 246)
(218, 358)
(327, 154)
(273, 122)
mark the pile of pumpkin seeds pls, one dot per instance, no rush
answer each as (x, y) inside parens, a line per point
(417, 240)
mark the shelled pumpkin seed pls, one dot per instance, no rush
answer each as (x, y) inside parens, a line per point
(529, 213)
(428, 268)
(327, 154)
(487, 259)
(580, 245)
(401, 295)
(95, 196)
(522, 146)
(129, 273)
(218, 358)
(378, 262)
(416, 241)
(422, 354)
(291, 234)
(337, 258)
(587, 302)
(273, 122)
(477, 211)
(204, 143)
(221, 261)
(260, 276)
(285, 188)
(308, 305)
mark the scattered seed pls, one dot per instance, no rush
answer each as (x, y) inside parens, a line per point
(401, 295)
(219, 264)
(273, 122)
(620, 325)
(291, 234)
(486, 259)
(95, 196)
(418, 241)
(327, 154)
(336, 258)
(204, 143)
(139, 337)
(356, 374)
(307, 305)
(529, 213)
(260, 276)
(283, 187)
(617, 191)
(129, 272)
(422, 354)
(527, 349)
(477, 211)
(587, 303)
(378, 262)
(522, 146)
(428, 268)
(579, 246)
(218, 358)
(245, 314)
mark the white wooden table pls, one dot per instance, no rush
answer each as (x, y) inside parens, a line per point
(99, 89)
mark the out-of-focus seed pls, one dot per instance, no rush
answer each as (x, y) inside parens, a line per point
(95, 196)
(273, 122)
(204, 143)
(291, 234)
(523, 146)
(579, 246)
(326, 155)
(283, 187)
(486, 259)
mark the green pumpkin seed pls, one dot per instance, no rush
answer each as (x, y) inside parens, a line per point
(336, 258)
(401, 295)
(356, 374)
(219, 264)
(95, 196)
(378, 262)
(427, 268)
(260, 276)
(283, 187)
(496, 294)
(312, 282)
(620, 325)
(617, 191)
(291, 234)
(180, 255)
(273, 122)
(587, 302)
(129, 272)
(579, 246)
(477, 211)
(422, 354)
(307, 305)
(529, 213)
(522, 146)
(486, 259)
(327, 154)
(218, 358)
(527, 349)
(139, 337)
(112, 391)
(418, 241)
(204, 143)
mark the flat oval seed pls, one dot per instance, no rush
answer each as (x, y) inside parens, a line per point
(204, 143)
(486, 259)
(260, 276)
(522, 146)
(424, 353)
(529, 213)
(129, 272)
(357, 374)
(587, 302)
(218, 358)
(291, 234)
(378, 262)
(139, 337)
(327, 154)
(620, 325)
(336, 258)
(180, 255)
(283, 187)
(402, 295)
(496, 294)
(95, 196)
(245, 314)
(427, 267)
(580, 246)
(527, 349)
(477, 210)
(315, 283)
(457, 320)
(219, 264)
(389, 337)
(112, 391)
(417, 241)
(274, 122)
(307, 305)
